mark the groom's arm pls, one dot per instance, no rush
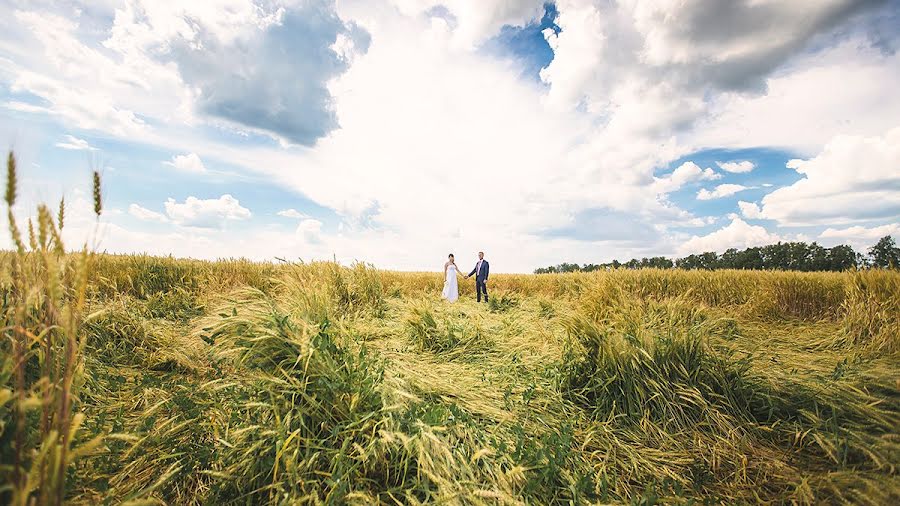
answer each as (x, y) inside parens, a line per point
(473, 271)
(487, 270)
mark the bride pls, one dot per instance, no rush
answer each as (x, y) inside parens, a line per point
(451, 288)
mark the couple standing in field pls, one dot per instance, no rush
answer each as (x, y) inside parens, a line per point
(481, 271)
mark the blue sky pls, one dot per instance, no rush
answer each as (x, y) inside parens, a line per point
(394, 131)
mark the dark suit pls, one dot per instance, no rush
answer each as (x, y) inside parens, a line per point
(480, 277)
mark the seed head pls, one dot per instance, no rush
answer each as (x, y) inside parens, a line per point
(98, 204)
(62, 213)
(11, 179)
(32, 239)
(44, 220)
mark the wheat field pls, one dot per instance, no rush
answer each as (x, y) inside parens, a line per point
(234, 382)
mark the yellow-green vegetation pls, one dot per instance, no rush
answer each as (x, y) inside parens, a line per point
(233, 382)
(236, 382)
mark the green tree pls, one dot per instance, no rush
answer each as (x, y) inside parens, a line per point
(841, 258)
(885, 253)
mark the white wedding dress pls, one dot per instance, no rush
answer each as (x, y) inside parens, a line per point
(451, 289)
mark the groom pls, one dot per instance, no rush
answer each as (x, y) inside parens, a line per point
(481, 271)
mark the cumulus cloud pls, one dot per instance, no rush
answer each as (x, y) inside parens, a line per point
(688, 172)
(731, 44)
(861, 238)
(291, 213)
(310, 231)
(74, 143)
(720, 191)
(260, 75)
(144, 214)
(853, 178)
(736, 167)
(189, 163)
(206, 213)
(801, 110)
(671, 53)
(749, 210)
(737, 234)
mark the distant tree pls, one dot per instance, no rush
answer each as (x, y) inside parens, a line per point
(842, 258)
(708, 260)
(689, 262)
(885, 253)
(730, 259)
(798, 256)
(660, 263)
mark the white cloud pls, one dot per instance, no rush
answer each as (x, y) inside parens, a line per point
(861, 238)
(208, 213)
(142, 213)
(657, 64)
(685, 173)
(76, 144)
(720, 191)
(64, 72)
(475, 20)
(310, 231)
(736, 167)
(800, 109)
(291, 213)
(853, 178)
(749, 210)
(189, 163)
(737, 234)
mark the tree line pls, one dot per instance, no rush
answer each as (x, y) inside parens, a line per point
(794, 256)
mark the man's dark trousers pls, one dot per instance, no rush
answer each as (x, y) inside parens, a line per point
(481, 287)
(480, 278)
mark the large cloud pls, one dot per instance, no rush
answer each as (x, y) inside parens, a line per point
(731, 45)
(846, 89)
(673, 54)
(737, 234)
(854, 178)
(861, 238)
(263, 69)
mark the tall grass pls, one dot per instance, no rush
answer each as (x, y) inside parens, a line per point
(871, 311)
(43, 305)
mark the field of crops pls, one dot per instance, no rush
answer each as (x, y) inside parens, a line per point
(235, 382)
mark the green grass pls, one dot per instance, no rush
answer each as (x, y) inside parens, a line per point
(239, 383)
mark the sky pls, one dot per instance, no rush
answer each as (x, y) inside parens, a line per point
(394, 132)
